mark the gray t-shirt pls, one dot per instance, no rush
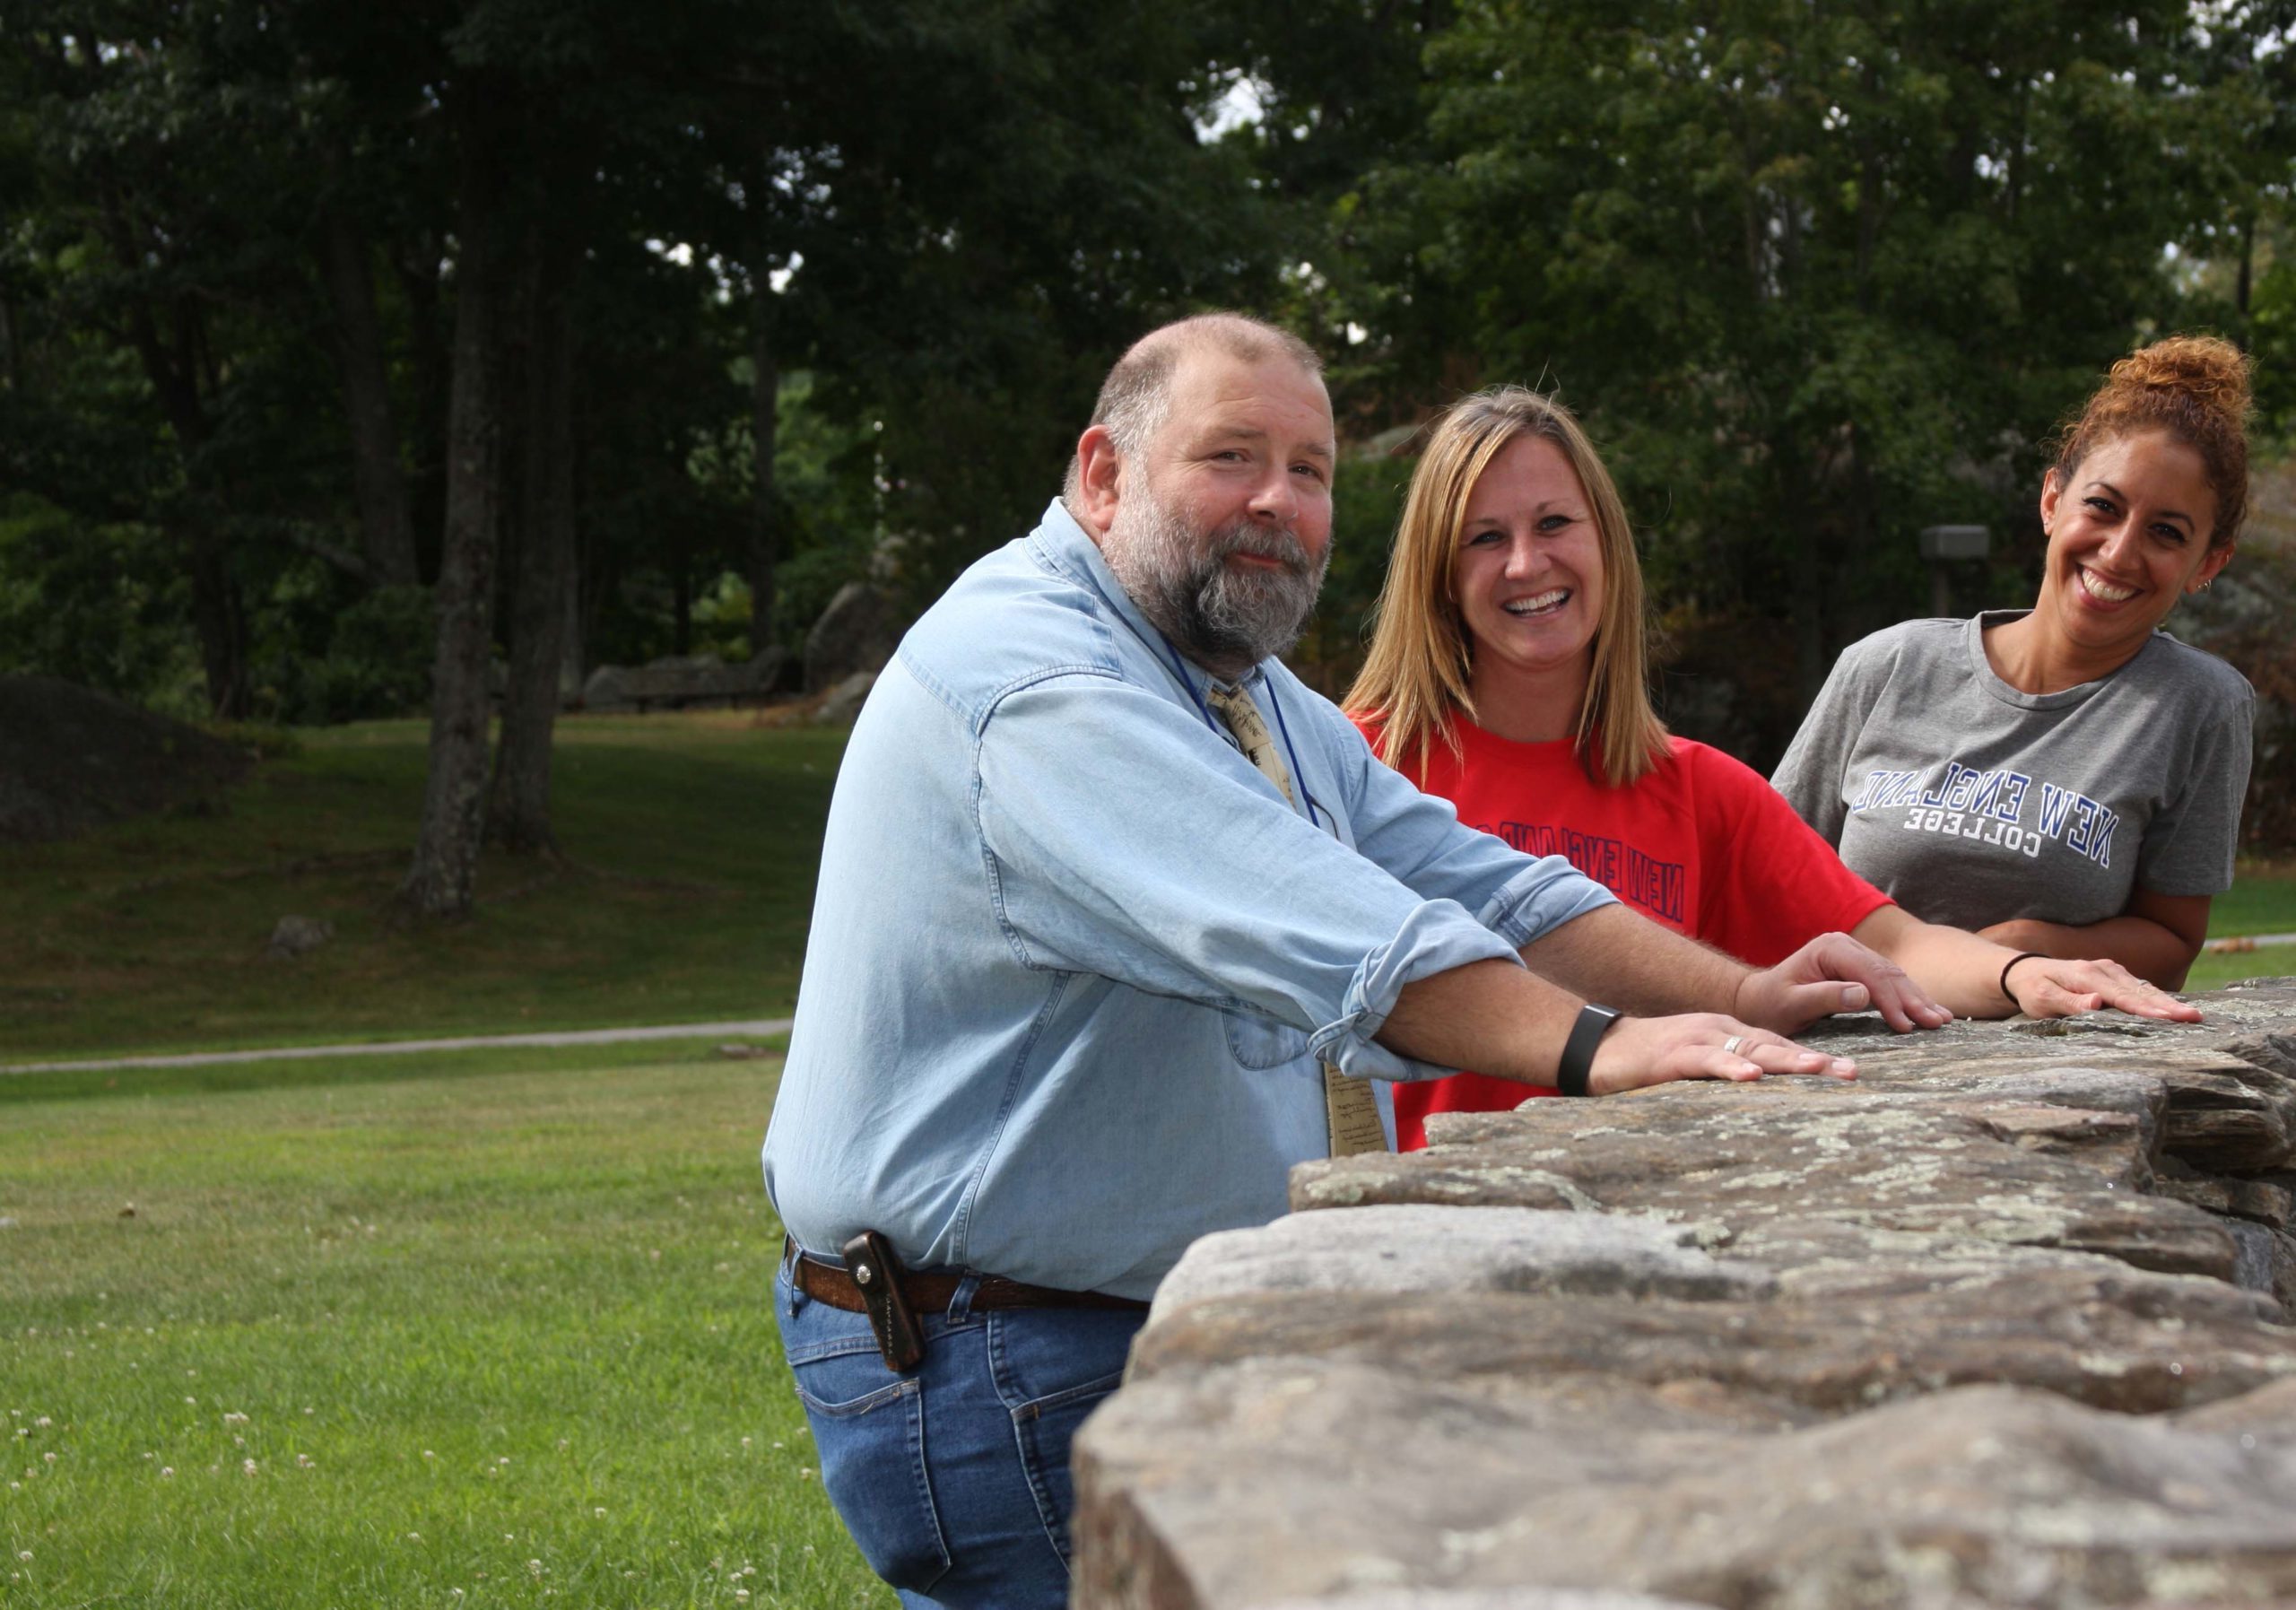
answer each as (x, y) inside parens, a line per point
(1970, 802)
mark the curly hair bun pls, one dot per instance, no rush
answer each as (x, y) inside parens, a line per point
(2193, 388)
(2206, 369)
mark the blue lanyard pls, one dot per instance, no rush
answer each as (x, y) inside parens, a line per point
(1283, 727)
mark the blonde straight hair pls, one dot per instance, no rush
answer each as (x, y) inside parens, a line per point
(1416, 678)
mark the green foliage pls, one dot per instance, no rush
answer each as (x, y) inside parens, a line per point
(1367, 503)
(332, 651)
(1817, 277)
(97, 603)
(472, 1330)
(377, 661)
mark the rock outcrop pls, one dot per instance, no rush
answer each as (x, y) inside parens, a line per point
(857, 633)
(72, 759)
(697, 682)
(2006, 1322)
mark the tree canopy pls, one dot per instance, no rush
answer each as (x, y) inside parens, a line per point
(346, 349)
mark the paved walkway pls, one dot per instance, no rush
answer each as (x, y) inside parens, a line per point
(400, 1047)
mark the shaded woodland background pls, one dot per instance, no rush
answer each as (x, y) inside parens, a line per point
(347, 350)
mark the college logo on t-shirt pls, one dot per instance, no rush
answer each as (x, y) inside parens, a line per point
(1655, 886)
(1989, 807)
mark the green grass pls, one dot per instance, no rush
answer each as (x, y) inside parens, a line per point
(693, 841)
(2262, 899)
(496, 1323)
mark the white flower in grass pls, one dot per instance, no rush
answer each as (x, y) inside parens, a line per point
(429, 1455)
(49, 1456)
(43, 1421)
(234, 1417)
(166, 1472)
(247, 1466)
(25, 1554)
(741, 1596)
(600, 1513)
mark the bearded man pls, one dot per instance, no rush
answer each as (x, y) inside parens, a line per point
(1115, 919)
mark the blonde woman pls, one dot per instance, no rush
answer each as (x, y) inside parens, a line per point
(1507, 673)
(2067, 779)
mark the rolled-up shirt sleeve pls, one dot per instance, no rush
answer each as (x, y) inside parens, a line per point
(1121, 836)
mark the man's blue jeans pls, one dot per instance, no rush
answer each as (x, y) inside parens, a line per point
(953, 1476)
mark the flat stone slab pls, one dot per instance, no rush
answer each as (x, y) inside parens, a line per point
(2084, 1328)
(1433, 1248)
(1276, 1480)
(2028, 1174)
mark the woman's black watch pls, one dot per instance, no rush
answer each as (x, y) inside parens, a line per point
(1579, 1050)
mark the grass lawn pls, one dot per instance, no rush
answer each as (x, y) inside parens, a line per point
(2262, 899)
(693, 841)
(485, 1328)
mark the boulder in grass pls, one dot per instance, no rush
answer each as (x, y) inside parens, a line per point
(693, 682)
(298, 937)
(858, 632)
(72, 759)
(845, 700)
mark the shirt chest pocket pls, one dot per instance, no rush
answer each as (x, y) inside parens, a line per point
(1258, 1041)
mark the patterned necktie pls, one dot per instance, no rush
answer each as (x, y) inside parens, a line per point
(1349, 1110)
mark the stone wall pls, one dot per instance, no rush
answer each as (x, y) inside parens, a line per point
(2006, 1323)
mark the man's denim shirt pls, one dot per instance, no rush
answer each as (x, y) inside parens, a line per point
(1073, 959)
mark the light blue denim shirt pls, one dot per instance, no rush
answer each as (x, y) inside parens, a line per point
(1073, 959)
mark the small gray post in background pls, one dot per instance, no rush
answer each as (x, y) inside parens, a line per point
(1943, 545)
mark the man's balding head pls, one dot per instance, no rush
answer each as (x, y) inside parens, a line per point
(1206, 479)
(1137, 394)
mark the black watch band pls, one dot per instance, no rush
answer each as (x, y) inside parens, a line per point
(1579, 1050)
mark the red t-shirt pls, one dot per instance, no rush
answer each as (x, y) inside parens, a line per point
(1702, 845)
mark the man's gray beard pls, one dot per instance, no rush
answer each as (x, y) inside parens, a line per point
(1224, 618)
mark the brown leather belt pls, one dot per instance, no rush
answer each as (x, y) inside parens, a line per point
(826, 1281)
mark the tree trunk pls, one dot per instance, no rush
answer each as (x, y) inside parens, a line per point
(765, 408)
(219, 614)
(2245, 280)
(386, 530)
(13, 372)
(418, 278)
(571, 659)
(519, 805)
(443, 878)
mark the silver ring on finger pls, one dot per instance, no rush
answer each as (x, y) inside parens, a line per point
(1736, 1046)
